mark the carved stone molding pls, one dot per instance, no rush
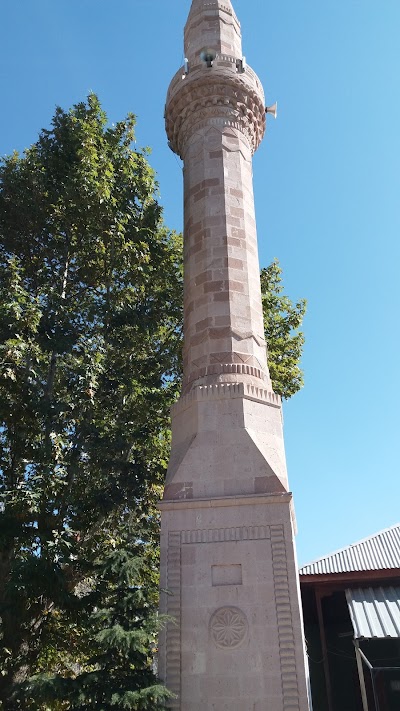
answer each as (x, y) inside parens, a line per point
(222, 369)
(219, 391)
(287, 645)
(228, 627)
(222, 535)
(218, 96)
(173, 629)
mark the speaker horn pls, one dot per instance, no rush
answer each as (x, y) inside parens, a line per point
(207, 56)
(273, 110)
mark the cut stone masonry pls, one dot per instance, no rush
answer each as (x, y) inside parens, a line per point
(228, 568)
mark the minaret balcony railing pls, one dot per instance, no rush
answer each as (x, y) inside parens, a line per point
(208, 93)
(221, 60)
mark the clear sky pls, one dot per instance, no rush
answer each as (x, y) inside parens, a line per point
(327, 202)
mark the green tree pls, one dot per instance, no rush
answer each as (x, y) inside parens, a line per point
(90, 341)
(90, 294)
(282, 321)
(117, 626)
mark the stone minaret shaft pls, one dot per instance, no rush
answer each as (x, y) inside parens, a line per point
(215, 120)
(227, 551)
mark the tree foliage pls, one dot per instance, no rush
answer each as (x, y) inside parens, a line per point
(89, 327)
(90, 341)
(282, 321)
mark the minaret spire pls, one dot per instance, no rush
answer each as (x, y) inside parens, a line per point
(212, 25)
(227, 552)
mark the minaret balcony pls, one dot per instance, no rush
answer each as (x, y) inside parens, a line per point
(222, 93)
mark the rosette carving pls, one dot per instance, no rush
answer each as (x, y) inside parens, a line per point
(228, 627)
(217, 96)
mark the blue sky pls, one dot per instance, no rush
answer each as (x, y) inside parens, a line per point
(327, 202)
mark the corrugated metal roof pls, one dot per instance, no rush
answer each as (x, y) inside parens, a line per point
(378, 552)
(374, 612)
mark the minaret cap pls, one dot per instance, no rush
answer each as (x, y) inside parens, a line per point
(212, 24)
(200, 3)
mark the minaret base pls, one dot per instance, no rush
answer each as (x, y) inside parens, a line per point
(227, 439)
(236, 642)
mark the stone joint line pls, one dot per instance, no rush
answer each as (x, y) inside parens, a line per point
(222, 18)
(236, 335)
(228, 149)
(224, 148)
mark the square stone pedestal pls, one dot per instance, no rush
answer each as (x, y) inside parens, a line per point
(235, 642)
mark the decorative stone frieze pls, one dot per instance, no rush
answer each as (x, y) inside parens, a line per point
(217, 96)
(173, 631)
(221, 369)
(221, 391)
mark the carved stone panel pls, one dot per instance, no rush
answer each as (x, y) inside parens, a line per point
(228, 627)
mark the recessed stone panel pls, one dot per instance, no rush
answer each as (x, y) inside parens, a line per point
(226, 575)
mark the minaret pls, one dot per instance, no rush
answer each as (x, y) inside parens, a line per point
(227, 551)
